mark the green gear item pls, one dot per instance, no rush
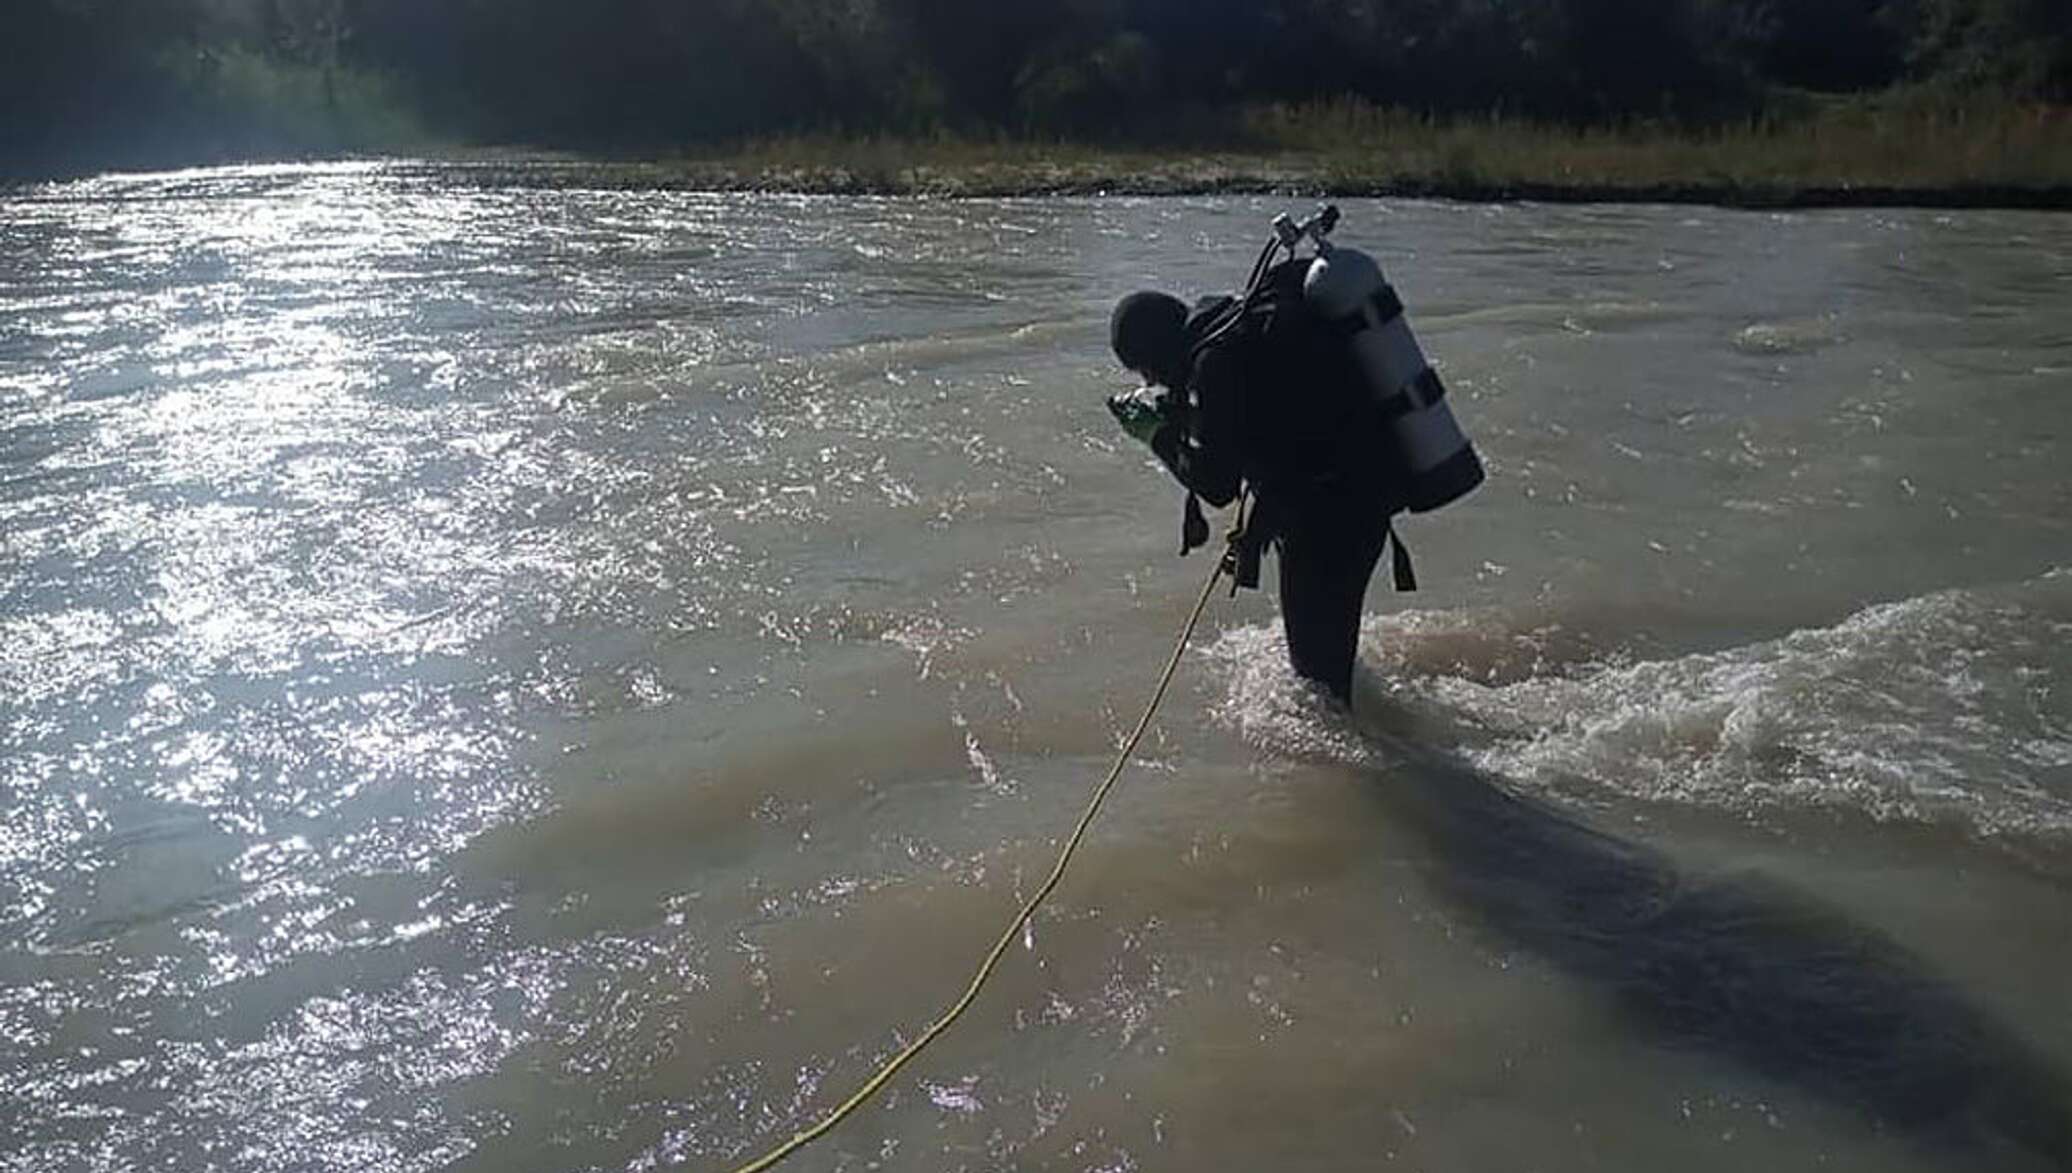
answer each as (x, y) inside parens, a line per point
(1140, 416)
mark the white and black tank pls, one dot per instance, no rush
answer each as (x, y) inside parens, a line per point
(1346, 289)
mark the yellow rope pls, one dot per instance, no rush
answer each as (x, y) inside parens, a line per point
(877, 1082)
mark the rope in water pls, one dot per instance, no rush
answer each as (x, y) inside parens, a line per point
(877, 1082)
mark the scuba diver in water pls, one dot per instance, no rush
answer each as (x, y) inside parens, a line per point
(1309, 393)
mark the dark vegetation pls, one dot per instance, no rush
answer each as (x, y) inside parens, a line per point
(94, 83)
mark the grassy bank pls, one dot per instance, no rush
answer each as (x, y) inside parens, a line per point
(1895, 151)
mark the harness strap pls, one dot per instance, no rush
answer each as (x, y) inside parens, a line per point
(1248, 541)
(1406, 574)
(1377, 311)
(1423, 391)
(1194, 528)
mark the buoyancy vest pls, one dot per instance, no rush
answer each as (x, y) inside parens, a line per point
(1311, 428)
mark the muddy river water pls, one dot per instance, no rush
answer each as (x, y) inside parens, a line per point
(498, 672)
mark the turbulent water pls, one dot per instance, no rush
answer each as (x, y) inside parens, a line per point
(520, 675)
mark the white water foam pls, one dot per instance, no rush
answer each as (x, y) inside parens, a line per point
(1274, 709)
(1943, 708)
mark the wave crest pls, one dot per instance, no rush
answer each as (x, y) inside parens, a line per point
(1939, 709)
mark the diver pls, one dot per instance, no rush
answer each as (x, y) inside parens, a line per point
(1308, 393)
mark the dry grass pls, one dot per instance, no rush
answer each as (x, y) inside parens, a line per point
(1896, 145)
(1894, 148)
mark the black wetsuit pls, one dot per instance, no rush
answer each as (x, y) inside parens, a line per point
(1281, 409)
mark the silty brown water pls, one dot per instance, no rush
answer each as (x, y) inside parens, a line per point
(509, 673)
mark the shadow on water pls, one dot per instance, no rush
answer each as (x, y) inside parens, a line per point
(1739, 965)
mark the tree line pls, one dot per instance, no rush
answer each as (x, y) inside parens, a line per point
(164, 80)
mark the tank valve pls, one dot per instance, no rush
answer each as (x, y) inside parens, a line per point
(1316, 228)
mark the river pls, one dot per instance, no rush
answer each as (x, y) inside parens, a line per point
(499, 672)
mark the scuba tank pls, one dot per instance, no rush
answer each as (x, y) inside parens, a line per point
(1345, 287)
(1345, 290)
(1347, 316)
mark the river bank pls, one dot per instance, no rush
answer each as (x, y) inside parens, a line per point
(1262, 175)
(1847, 155)
(1853, 154)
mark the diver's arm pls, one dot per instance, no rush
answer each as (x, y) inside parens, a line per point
(1205, 457)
